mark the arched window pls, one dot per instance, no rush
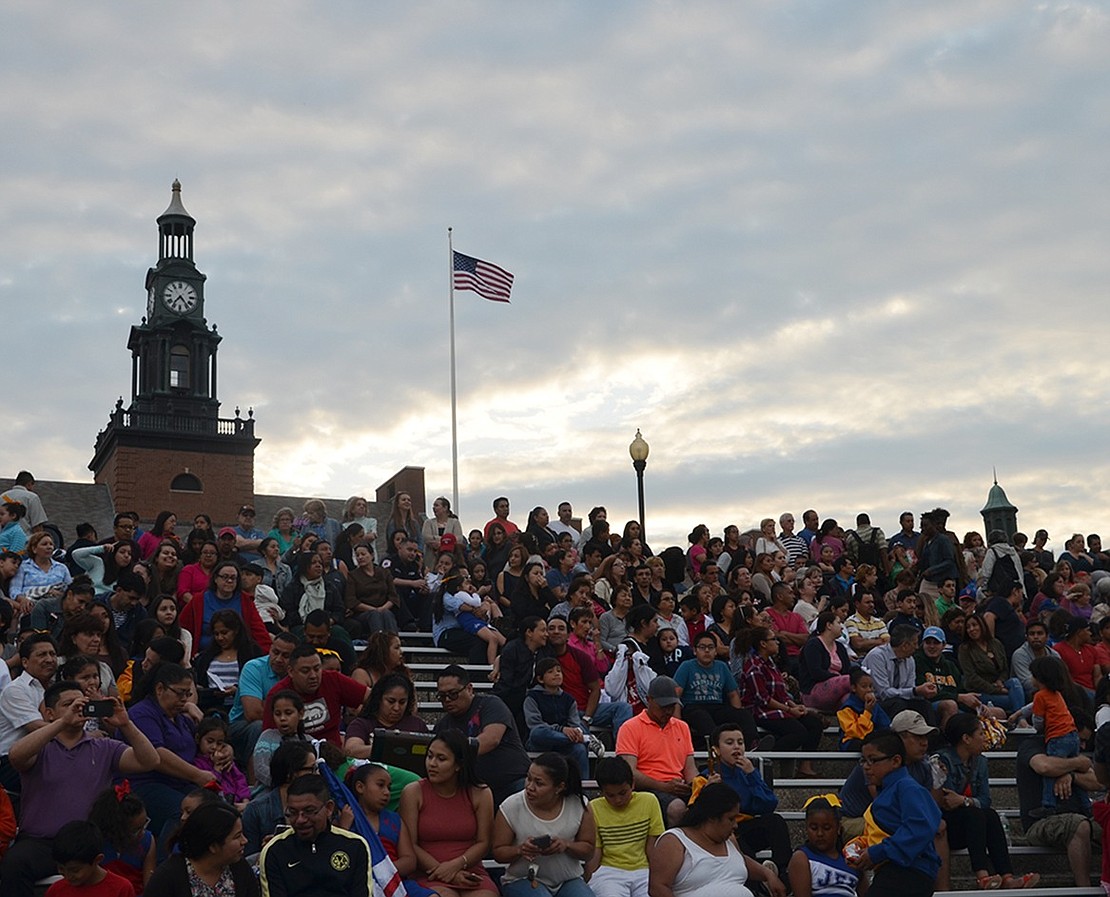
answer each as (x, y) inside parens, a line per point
(179, 367)
(186, 482)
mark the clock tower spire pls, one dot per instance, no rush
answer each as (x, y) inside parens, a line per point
(171, 439)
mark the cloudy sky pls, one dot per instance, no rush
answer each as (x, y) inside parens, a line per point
(840, 255)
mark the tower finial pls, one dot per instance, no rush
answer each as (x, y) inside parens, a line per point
(994, 470)
(176, 185)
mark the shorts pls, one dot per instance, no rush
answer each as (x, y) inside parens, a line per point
(608, 881)
(1055, 831)
(852, 827)
(470, 623)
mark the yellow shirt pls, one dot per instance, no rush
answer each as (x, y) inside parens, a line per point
(623, 834)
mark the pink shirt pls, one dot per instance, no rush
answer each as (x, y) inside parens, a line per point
(789, 622)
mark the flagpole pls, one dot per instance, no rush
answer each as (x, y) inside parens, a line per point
(454, 414)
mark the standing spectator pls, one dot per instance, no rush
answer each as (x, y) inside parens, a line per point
(12, 537)
(23, 491)
(794, 544)
(938, 556)
(248, 537)
(405, 518)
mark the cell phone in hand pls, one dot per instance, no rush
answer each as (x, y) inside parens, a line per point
(93, 709)
(542, 842)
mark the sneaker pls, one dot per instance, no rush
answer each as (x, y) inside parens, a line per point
(1042, 812)
(595, 746)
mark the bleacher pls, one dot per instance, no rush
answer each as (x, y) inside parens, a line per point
(425, 661)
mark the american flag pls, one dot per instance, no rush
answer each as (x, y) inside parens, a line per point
(484, 278)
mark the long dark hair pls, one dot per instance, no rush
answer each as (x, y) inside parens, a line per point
(562, 773)
(464, 755)
(111, 812)
(714, 801)
(207, 825)
(386, 683)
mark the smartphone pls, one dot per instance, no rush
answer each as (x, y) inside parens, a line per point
(94, 709)
(542, 842)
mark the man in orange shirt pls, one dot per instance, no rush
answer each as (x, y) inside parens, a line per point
(658, 747)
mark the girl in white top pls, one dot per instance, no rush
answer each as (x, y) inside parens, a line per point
(701, 856)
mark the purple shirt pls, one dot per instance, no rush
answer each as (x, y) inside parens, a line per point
(176, 735)
(80, 773)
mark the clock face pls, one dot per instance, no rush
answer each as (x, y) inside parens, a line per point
(180, 297)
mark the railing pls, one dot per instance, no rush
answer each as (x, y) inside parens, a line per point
(158, 422)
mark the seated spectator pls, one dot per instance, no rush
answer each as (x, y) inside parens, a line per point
(628, 824)
(219, 666)
(223, 593)
(933, 665)
(894, 672)
(502, 762)
(194, 579)
(325, 693)
(447, 629)
(824, 667)
(128, 847)
(710, 695)
(965, 802)
(12, 537)
(861, 713)
(391, 705)
(256, 678)
(371, 599)
(83, 635)
(210, 849)
(60, 757)
(673, 653)
(323, 635)
(789, 626)
(310, 590)
(266, 600)
(632, 672)
(1069, 829)
(450, 817)
(473, 613)
(161, 717)
(818, 867)
(532, 597)
(302, 860)
(1036, 645)
(582, 682)
(20, 700)
(1079, 656)
(986, 667)
(866, 631)
(514, 671)
(552, 721)
(763, 691)
(372, 785)
(553, 808)
(266, 811)
(125, 605)
(758, 826)
(906, 611)
(77, 851)
(39, 575)
(215, 755)
(658, 748)
(288, 709)
(700, 856)
(51, 614)
(382, 655)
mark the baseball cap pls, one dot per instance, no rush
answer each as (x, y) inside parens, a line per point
(226, 531)
(664, 691)
(934, 632)
(448, 541)
(911, 721)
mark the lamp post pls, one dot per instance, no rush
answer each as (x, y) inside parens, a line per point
(639, 451)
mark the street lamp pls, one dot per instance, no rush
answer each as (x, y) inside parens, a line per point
(639, 451)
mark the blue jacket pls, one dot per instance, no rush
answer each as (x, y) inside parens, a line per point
(909, 814)
(756, 796)
(959, 777)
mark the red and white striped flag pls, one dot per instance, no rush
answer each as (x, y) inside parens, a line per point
(484, 278)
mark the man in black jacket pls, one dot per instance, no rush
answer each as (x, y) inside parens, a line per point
(313, 858)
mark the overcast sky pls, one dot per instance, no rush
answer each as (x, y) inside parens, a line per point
(839, 255)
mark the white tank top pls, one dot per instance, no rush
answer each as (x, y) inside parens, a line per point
(707, 875)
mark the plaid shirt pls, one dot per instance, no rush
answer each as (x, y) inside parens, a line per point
(760, 683)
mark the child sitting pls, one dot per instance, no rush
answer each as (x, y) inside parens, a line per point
(818, 868)
(128, 848)
(674, 653)
(860, 714)
(758, 826)
(77, 849)
(287, 708)
(461, 598)
(668, 617)
(628, 822)
(217, 756)
(85, 671)
(552, 718)
(371, 784)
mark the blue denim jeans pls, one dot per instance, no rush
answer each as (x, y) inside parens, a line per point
(1062, 746)
(1012, 701)
(574, 887)
(551, 740)
(614, 715)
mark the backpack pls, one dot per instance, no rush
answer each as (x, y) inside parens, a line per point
(1003, 575)
(870, 552)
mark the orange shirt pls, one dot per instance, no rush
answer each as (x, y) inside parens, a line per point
(1057, 717)
(660, 753)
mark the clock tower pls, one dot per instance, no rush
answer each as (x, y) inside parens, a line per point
(170, 449)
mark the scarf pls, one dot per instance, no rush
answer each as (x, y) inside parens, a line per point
(313, 597)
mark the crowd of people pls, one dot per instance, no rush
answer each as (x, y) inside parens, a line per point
(206, 702)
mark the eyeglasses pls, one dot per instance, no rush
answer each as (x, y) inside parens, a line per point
(871, 761)
(445, 696)
(308, 812)
(183, 693)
